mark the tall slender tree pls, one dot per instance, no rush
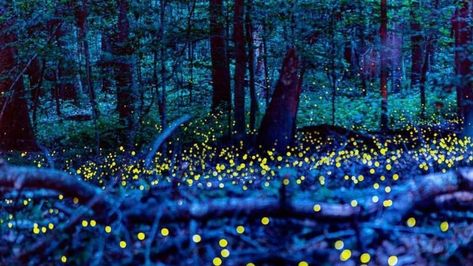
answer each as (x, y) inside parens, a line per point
(417, 39)
(122, 52)
(240, 67)
(383, 33)
(251, 64)
(463, 30)
(221, 96)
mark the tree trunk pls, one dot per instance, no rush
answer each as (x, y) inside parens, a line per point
(251, 65)
(126, 96)
(16, 132)
(36, 74)
(240, 67)
(423, 77)
(383, 33)
(267, 83)
(463, 65)
(221, 97)
(416, 44)
(81, 14)
(278, 125)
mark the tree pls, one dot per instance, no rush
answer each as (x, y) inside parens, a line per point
(251, 64)
(240, 67)
(416, 43)
(221, 96)
(383, 33)
(81, 15)
(279, 123)
(122, 50)
(462, 26)
(16, 132)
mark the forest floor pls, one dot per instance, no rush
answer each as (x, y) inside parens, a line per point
(336, 197)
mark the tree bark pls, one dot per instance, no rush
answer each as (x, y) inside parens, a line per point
(16, 132)
(278, 126)
(251, 65)
(463, 65)
(416, 44)
(221, 97)
(126, 95)
(240, 67)
(383, 33)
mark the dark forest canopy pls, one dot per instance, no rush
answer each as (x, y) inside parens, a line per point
(180, 115)
(367, 64)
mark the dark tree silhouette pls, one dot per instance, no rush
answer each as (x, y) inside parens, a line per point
(16, 132)
(240, 67)
(220, 68)
(383, 33)
(278, 126)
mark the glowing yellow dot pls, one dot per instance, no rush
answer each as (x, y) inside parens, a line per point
(196, 238)
(387, 203)
(225, 253)
(85, 223)
(303, 263)
(51, 226)
(339, 244)
(108, 229)
(265, 220)
(222, 242)
(365, 258)
(372, 171)
(392, 260)
(345, 255)
(63, 259)
(444, 226)
(411, 222)
(250, 264)
(217, 261)
(122, 244)
(317, 207)
(35, 230)
(60, 197)
(141, 236)
(388, 167)
(240, 229)
(285, 181)
(164, 231)
(354, 203)
(93, 223)
(395, 177)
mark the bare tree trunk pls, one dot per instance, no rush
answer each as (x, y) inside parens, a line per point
(221, 96)
(416, 44)
(16, 132)
(126, 95)
(383, 32)
(82, 12)
(240, 68)
(278, 125)
(251, 65)
(463, 65)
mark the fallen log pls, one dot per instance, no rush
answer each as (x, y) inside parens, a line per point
(238, 207)
(69, 186)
